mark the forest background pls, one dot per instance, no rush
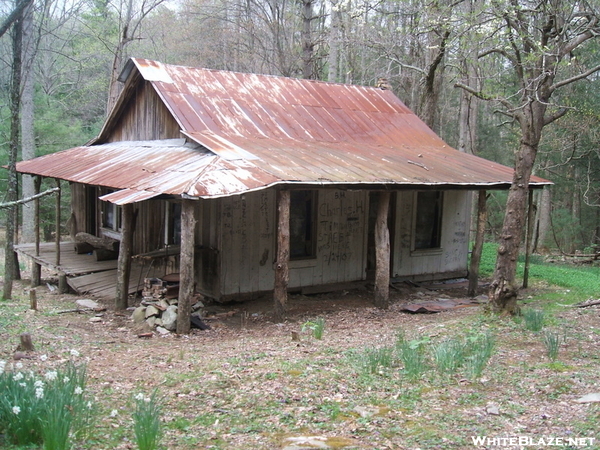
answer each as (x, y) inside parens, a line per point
(424, 50)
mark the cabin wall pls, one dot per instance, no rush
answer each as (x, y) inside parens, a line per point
(450, 260)
(145, 118)
(248, 231)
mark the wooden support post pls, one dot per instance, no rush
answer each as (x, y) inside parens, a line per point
(187, 268)
(124, 257)
(57, 218)
(282, 272)
(478, 245)
(36, 268)
(63, 286)
(382, 252)
(530, 222)
(33, 299)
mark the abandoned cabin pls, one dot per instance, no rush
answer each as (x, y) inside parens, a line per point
(227, 178)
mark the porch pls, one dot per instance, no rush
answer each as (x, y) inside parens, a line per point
(84, 274)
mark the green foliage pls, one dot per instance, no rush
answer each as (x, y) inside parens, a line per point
(551, 340)
(146, 421)
(316, 327)
(480, 348)
(533, 319)
(413, 357)
(373, 359)
(449, 355)
(44, 410)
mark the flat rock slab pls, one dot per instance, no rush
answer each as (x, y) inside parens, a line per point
(435, 306)
(589, 398)
(87, 303)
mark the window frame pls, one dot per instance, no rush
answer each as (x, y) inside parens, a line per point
(435, 242)
(309, 224)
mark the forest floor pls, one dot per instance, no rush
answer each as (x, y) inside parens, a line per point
(247, 384)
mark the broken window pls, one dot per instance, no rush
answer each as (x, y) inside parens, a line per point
(302, 224)
(428, 220)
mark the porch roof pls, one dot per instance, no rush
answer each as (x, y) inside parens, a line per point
(245, 132)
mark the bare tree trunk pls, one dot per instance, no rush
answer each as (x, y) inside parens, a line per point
(27, 123)
(382, 252)
(282, 273)
(308, 71)
(187, 266)
(503, 289)
(334, 44)
(12, 188)
(478, 246)
(542, 219)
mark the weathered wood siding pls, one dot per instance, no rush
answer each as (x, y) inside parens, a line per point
(450, 260)
(145, 118)
(248, 239)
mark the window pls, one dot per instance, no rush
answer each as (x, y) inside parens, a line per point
(428, 220)
(173, 236)
(111, 216)
(302, 224)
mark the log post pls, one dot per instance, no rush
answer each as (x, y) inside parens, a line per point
(124, 258)
(36, 268)
(382, 252)
(57, 219)
(187, 271)
(528, 239)
(478, 245)
(282, 272)
(33, 300)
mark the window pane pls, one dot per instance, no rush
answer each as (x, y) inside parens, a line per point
(302, 205)
(428, 222)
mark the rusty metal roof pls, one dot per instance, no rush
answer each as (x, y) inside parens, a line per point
(246, 132)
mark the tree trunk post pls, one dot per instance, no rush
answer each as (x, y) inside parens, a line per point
(528, 239)
(57, 219)
(36, 268)
(282, 273)
(478, 245)
(124, 257)
(382, 252)
(187, 270)
(503, 289)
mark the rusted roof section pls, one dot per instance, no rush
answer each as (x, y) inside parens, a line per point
(247, 132)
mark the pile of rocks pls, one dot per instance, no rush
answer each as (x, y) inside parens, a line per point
(161, 314)
(158, 308)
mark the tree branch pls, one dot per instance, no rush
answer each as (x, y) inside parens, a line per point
(28, 199)
(574, 78)
(13, 16)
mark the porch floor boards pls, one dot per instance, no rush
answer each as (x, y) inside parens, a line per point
(85, 275)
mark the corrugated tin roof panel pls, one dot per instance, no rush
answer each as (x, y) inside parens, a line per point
(256, 130)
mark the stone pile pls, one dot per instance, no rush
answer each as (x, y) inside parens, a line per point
(158, 308)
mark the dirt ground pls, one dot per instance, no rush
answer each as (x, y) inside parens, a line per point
(119, 361)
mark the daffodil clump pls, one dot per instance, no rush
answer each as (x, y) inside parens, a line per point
(45, 407)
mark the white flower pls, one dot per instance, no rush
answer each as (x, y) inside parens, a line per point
(43, 357)
(2, 365)
(114, 413)
(19, 365)
(78, 390)
(74, 352)
(89, 405)
(66, 380)
(147, 399)
(39, 392)
(18, 376)
(23, 384)
(139, 396)
(38, 384)
(52, 375)
(16, 410)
